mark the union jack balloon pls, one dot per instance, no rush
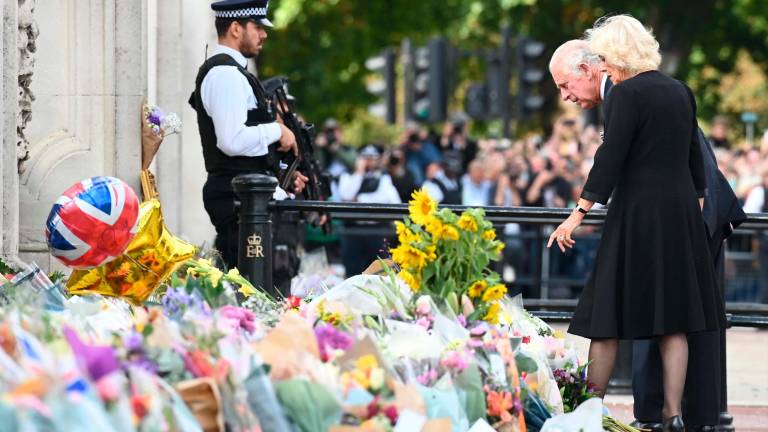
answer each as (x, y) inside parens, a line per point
(92, 222)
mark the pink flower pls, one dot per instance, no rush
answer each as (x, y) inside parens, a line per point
(423, 306)
(108, 388)
(329, 338)
(424, 322)
(240, 318)
(455, 360)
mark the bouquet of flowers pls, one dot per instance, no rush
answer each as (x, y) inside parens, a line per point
(446, 256)
(155, 125)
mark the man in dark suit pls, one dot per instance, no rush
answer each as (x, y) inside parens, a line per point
(578, 77)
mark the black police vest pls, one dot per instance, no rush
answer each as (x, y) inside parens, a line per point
(216, 162)
(765, 200)
(450, 196)
(370, 183)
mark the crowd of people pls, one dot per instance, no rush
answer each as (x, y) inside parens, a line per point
(534, 172)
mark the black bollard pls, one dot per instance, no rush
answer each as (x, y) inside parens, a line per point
(254, 256)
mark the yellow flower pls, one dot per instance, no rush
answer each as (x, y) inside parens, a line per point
(404, 235)
(489, 234)
(433, 226)
(492, 316)
(409, 279)
(499, 248)
(421, 207)
(247, 290)
(215, 275)
(409, 256)
(450, 233)
(430, 252)
(367, 362)
(468, 223)
(496, 292)
(477, 288)
(441, 231)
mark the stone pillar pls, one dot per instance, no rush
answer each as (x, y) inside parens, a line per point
(184, 29)
(130, 86)
(9, 177)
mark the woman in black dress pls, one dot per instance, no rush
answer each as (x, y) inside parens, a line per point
(652, 276)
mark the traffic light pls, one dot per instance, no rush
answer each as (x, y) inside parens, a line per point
(383, 85)
(476, 101)
(529, 75)
(428, 82)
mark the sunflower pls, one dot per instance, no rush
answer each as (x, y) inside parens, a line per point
(495, 292)
(450, 233)
(404, 234)
(408, 256)
(492, 315)
(421, 207)
(489, 234)
(499, 248)
(430, 252)
(409, 279)
(442, 231)
(467, 223)
(477, 288)
(434, 226)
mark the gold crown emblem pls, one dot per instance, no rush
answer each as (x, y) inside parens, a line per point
(254, 240)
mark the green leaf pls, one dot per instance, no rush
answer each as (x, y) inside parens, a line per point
(525, 363)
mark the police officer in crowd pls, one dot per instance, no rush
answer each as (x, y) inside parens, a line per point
(236, 121)
(363, 241)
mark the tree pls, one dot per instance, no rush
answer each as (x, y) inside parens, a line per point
(321, 45)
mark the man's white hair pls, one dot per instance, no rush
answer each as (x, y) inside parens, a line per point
(571, 55)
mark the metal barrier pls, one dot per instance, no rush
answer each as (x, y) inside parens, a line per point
(257, 213)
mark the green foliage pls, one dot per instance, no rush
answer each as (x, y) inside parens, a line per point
(7, 269)
(321, 45)
(367, 129)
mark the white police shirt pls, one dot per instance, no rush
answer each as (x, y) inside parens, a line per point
(227, 97)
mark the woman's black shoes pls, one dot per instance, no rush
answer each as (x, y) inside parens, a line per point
(674, 424)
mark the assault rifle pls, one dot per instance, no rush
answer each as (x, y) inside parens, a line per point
(318, 186)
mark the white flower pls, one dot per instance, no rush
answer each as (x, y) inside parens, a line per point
(377, 378)
(171, 124)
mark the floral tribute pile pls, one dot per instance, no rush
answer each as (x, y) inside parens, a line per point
(433, 344)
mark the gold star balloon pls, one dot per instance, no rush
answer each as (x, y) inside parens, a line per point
(151, 257)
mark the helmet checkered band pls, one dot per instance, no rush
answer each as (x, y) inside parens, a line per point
(242, 13)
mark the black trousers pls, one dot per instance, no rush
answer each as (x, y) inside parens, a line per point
(220, 203)
(701, 399)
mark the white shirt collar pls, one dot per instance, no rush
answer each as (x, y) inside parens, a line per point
(602, 85)
(235, 54)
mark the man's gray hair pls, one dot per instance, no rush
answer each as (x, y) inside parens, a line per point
(572, 54)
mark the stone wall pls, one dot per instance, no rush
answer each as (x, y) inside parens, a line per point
(74, 75)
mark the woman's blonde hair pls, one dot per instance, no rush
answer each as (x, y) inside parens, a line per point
(623, 42)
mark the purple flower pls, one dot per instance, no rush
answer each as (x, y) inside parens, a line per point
(462, 320)
(136, 354)
(97, 361)
(133, 342)
(156, 116)
(176, 302)
(329, 338)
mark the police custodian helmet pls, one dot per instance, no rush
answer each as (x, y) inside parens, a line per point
(234, 9)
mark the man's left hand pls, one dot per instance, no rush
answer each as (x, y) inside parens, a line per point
(299, 182)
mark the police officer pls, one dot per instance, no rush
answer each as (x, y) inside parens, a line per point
(237, 124)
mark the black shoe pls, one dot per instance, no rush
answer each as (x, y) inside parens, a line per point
(648, 426)
(674, 424)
